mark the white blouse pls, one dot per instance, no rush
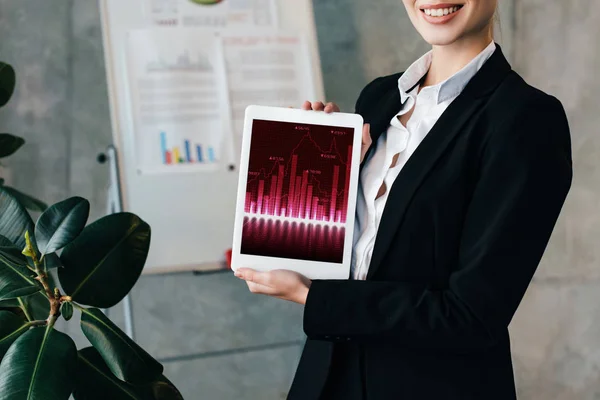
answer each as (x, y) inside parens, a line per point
(429, 103)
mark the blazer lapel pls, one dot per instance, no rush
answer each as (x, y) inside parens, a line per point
(431, 148)
(383, 114)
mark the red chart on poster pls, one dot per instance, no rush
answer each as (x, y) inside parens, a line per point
(297, 192)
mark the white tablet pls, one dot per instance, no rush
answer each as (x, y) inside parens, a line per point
(297, 191)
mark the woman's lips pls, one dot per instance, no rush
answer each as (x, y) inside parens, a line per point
(440, 13)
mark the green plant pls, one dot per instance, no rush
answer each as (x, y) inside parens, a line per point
(97, 266)
(9, 144)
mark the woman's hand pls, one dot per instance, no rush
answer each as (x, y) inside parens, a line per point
(286, 285)
(331, 108)
(319, 106)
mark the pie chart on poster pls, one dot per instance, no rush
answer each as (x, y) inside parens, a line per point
(206, 2)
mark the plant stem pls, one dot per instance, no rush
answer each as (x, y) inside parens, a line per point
(51, 320)
(54, 299)
(42, 276)
(37, 323)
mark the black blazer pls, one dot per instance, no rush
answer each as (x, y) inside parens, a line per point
(463, 230)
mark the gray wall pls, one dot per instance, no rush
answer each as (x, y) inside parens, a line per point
(216, 340)
(557, 330)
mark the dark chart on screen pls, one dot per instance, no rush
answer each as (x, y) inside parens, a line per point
(297, 193)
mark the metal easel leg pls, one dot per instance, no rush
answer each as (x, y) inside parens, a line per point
(115, 205)
(128, 314)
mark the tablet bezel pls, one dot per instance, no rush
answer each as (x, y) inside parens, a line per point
(310, 269)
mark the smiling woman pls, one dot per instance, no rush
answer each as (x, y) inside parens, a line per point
(465, 172)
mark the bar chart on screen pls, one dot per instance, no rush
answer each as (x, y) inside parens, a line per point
(296, 200)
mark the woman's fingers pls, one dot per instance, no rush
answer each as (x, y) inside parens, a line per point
(263, 278)
(366, 141)
(331, 108)
(257, 281)
(252, 275)
(257, 288)
(366, 135)
(320, 106)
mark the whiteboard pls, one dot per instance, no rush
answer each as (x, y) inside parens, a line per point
(191, 214)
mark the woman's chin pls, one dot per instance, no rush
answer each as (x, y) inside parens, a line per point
(440, 38)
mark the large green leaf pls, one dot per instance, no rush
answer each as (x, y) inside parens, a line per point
(11, 327)
(15, 278)
(27, 201)
(14, 220)
(127, 361)
(95, 381)
(7, 83)
(5, 242)
(9, 144)
(106, 260)
(61, 223)
(39, 365)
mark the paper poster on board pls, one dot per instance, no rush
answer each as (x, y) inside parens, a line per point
(268, 68)
(216, 14)
(179, 99)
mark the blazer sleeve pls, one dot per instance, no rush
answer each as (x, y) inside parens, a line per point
(525, 175)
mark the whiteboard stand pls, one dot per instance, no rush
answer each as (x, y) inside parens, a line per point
(115, 205)
(199, 226)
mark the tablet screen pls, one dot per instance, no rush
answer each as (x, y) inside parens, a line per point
(296, 199)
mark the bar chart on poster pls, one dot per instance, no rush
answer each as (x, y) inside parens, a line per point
(180, 75)
(179, 101)
(189, 153)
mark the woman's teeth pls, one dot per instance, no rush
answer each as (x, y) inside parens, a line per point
(440, 12)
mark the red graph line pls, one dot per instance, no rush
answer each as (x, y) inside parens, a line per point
(332, 148)
(291, 188)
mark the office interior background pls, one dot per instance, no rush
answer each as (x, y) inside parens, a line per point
(216, 340)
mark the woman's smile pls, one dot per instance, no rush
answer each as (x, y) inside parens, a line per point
(440, 13)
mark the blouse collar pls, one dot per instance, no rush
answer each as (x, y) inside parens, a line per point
(447, 89)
